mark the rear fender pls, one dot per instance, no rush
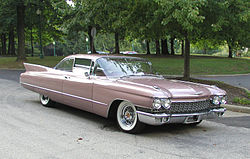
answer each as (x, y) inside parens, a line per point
(35, 67)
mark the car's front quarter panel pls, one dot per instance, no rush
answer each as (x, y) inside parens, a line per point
(106, 91)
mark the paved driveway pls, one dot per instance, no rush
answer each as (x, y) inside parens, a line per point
(235, 80)
(28, 130)
(12, 75)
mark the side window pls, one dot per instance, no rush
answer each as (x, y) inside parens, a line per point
(65, 65)
(84, 63)
(81, 66)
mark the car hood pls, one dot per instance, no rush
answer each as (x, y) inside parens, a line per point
(175, 88)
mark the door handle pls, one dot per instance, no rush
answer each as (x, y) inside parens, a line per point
(66, 77)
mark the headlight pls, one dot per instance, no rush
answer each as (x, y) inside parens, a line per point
(157, 103)
(161, 102)
(224, 100)
(217, 100)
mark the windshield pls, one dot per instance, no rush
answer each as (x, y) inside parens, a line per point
(121, 67)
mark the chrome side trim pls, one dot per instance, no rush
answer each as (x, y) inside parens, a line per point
(66, 94)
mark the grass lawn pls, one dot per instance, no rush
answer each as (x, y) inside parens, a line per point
(10, 62)
(170, 65)
(200, 65)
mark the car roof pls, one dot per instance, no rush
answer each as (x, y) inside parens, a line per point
(96, 56)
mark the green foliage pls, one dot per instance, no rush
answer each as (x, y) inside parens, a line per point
(144, 20)
(73, 43)
(7, 15)
(207, 23)
(248, 94)
(205, 46)
(241, 101)
(184, 15)
(231, 23)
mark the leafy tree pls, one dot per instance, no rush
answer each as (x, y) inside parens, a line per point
(184, 15)
(206, 45)
(112, 18)
(144, 23)
(7, 25)
(83, 17)
(227, 20)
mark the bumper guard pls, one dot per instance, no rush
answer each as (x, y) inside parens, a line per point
(164, 118)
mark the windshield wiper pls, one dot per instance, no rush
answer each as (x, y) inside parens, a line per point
(151, 75)
(127, 76)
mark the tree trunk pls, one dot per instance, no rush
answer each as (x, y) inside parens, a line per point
(157, 47)
(31, 42)
(172, 45)
(148, 49)
(164, 47)
(182, 47)
(230, 55)
(91, 41)
(11, 47)
(20, 32)
(187, 59)
(167, 47)
(3, 37)
(9, 51)
(117, 48)
(204, 51)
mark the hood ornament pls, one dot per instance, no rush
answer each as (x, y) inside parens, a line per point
(198, 93)
(156, 87)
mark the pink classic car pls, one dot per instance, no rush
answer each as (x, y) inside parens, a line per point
(123, 88)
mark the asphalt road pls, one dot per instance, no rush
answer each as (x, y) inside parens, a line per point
(28, 130)
(235, 80)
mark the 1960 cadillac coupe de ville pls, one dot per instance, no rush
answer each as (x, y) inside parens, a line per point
(123, 88)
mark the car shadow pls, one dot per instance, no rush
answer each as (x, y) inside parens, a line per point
(106, 124)
(172, 129)
(111, 125)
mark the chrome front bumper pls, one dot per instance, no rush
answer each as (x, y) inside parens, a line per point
(163, 118)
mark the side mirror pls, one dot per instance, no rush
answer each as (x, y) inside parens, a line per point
(100, 72)
(87, 74)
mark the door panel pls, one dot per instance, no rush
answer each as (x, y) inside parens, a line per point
(78, 91)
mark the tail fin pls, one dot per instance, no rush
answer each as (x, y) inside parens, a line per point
(35, 67)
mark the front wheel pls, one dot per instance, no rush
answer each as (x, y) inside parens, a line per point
(46, 101)
(127, 118)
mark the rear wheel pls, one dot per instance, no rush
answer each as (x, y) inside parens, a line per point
(46, 101)
(127, 118)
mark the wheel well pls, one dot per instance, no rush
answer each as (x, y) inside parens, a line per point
(113, 109)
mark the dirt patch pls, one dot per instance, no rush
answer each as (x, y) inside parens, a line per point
(232, 92)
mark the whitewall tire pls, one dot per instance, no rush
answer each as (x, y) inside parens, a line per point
(127, 118)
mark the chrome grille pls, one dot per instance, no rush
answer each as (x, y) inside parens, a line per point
(190, 107)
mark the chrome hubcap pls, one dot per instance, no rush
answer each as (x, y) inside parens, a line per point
(128, 116)
(44, 99)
